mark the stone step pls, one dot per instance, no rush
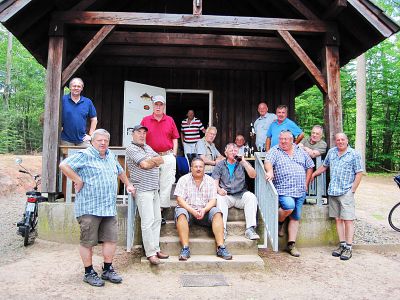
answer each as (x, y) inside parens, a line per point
(210, 263)
(206, 245)
(234, 214)
(234, 228)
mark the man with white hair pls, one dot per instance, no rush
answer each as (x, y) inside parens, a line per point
(290, 169)
(94, 171)
(345, 173)
(314, 145)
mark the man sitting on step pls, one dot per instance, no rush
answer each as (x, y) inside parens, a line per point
(230, 181)
(196, 200)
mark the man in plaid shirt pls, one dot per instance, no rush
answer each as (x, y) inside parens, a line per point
(346, 172)
(290, 169)
(95, 171)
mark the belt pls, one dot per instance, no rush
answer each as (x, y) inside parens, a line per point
(166, 152)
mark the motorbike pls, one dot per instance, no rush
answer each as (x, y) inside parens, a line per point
(27, 226)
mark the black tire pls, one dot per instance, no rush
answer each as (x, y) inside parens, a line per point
(27, 230)
(394, 217)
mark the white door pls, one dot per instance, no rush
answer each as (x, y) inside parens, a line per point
(137, 104)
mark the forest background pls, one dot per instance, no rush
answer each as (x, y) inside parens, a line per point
(23, 100)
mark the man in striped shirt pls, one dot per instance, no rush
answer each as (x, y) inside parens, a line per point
(190, 133)
(94, 172)
(143, 164)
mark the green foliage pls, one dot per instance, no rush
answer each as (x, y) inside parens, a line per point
(20, 129)
(383, 101)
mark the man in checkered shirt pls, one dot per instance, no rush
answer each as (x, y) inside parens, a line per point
(346, 172)
(290, 168)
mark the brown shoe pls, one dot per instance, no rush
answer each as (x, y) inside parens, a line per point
(154, 260)
(162, 255)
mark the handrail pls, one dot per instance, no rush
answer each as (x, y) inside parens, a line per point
(267, 202)
(316, 188)
(130, 226)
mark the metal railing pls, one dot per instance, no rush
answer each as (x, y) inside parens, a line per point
(317, 188)
(130, 226)
(268, 204)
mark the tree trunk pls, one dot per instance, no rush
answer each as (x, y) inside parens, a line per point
(7, 89)
(361, 113)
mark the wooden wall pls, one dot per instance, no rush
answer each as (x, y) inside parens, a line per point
(236, 94)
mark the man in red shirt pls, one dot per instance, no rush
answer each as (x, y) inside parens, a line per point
(162, 137)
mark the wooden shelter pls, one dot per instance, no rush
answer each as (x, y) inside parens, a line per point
(244, 51)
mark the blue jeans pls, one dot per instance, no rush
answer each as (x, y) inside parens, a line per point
(295, 203)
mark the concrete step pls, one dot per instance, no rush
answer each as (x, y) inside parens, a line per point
(206, 245)
(210, 263)
(234, 228)
(234, 214)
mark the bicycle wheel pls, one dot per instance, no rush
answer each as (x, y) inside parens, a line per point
(27, 230)
(394, 217)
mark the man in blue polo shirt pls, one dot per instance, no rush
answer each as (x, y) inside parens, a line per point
(76, 109)
(282, 123)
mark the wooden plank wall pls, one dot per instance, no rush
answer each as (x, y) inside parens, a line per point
(236, 94)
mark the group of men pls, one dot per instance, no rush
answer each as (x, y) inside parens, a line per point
(214, 184)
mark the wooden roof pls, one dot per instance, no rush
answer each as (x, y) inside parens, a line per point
(239, 35)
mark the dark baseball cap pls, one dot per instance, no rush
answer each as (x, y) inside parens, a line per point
(137, 127)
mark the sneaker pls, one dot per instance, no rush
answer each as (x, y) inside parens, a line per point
(346, 254)
(93, 279)
(163, 221)
(293, 251)
(338, 252)
(224, 253)
(185, 253)
(251, 234)
(111, 276)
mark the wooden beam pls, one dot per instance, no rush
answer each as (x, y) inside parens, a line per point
(334, 9)
(303, 10)
(332, 98)
(187, 63)
(197, 52)
(187, 39)
(304, 60)
(197, 7)
(296, 74)
(13, 9)
(51, 126)
(82, 5)
(176, 21)
(371, 18)
(86, 52)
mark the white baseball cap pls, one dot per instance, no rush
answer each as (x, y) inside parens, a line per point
(158, 98)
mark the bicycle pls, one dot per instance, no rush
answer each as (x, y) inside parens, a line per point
(394, 214)
(27, 226)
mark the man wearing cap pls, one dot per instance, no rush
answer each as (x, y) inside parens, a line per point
(162, 137)
(143, 164)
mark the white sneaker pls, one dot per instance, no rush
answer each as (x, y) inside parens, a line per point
(251, 234)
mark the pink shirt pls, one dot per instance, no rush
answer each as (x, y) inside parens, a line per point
(161, 133)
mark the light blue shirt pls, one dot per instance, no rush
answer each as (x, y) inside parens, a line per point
(289, 171)
(261, 126)
(276, 128)
(343, 170)
(99, 175)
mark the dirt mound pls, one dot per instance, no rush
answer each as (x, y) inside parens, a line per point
(13, 181)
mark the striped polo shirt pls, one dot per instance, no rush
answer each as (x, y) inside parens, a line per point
(191, 131)
(143, 180)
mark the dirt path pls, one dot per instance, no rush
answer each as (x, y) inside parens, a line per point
(48, 270)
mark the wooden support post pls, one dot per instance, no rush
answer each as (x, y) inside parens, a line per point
(332, 99)
(51, 126)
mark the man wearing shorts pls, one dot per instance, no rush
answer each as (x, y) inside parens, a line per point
(196, 200)
(346, 173)
(94, 172)
(290, 169)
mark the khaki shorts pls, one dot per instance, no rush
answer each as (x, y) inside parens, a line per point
(342, 207)
(96, 230)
